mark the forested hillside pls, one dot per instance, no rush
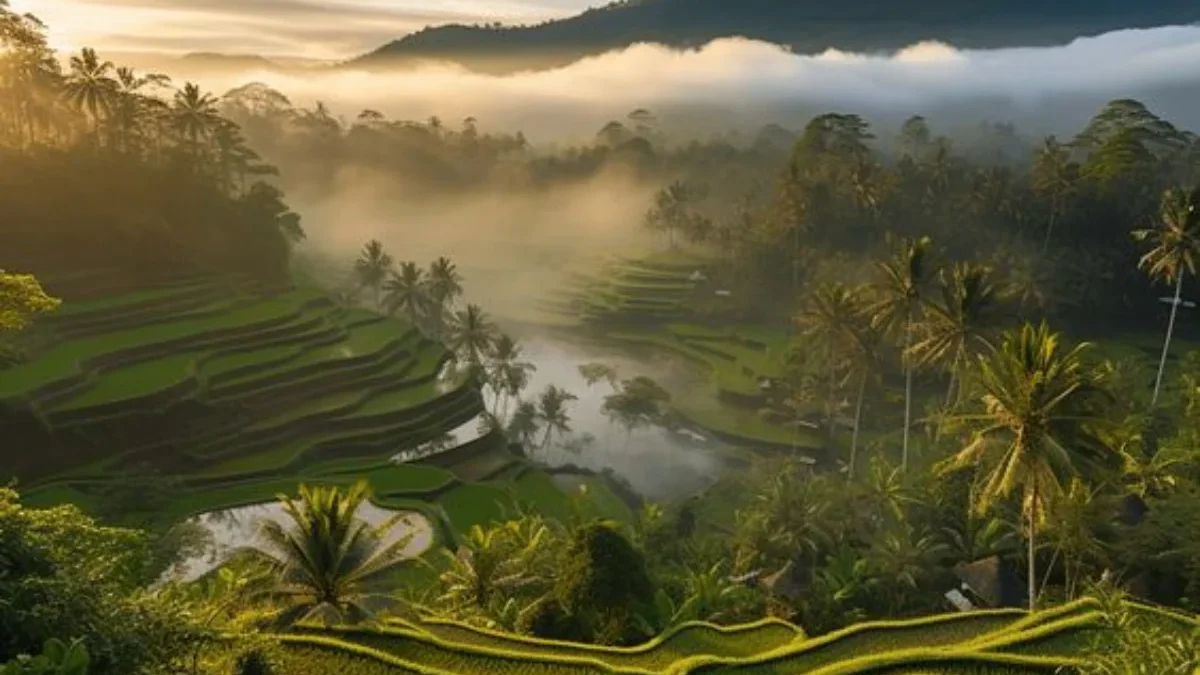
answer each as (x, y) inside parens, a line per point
(805, 26)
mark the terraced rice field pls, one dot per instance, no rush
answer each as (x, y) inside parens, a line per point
(649, 302)
(235, 395)
(976, 643)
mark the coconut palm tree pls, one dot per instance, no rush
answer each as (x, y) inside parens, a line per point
(1053, 178)
(372, 267)
(472, 335)
(407, 292)
(958, 325)
(524, 424)
(445, 283)
(90, 86)
(509, 375)
(831, 318)
(864, 352)
(552, 412)
(1176, 243)
(329, 564)
(194, 113)
(901, 300)
(1036, 427)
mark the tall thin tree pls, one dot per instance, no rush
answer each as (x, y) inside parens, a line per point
(1176, 247)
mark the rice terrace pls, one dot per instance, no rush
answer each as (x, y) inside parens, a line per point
(641, 339)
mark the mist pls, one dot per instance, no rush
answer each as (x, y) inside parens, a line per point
(739, 82)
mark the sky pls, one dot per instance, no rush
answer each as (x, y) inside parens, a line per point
(323, 29)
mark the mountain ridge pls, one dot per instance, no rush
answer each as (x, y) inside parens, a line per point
(804, 26)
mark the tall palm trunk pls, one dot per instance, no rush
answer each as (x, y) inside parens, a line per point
(1031, 518)
(1049, 230)
(908, 378)
(862, 390)
(1162, 362)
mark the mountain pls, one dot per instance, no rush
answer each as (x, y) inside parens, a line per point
(805, 26)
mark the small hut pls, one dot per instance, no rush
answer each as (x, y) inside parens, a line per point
(991, 582)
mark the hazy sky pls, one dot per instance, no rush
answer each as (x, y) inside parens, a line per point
(309, 28)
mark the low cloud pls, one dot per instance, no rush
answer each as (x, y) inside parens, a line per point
(751, 82)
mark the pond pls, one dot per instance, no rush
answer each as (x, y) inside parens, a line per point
(659, 464)
(238, 528)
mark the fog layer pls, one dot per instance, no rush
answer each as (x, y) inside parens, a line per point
(749, 82)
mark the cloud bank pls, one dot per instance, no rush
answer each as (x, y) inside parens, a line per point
(753, 82)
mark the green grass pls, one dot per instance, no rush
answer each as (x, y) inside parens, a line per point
(477, 504)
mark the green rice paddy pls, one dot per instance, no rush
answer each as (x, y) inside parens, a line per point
(232, 396)
(994, 642)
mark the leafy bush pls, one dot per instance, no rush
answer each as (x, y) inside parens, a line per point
(254, 662)
(57, 658)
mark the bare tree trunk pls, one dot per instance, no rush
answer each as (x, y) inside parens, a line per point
(862, 389)
(1031, 517)
(908, 377)
(1162, 362)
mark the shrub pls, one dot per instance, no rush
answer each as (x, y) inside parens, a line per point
(254, 662)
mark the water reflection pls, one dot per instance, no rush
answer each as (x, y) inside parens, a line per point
(659, 464)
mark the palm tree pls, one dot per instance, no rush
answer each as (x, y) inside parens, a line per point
(552, 412)
(329, 564)
(472, 335)
(194, 113)
(372, 267)
(485, 566)
(831, 318)
(901, 293)
(90, 86)
(131, 110)
(1036, 427)
(864, 355)
(1176, 244)
(408, 292)
(509, 374)
(524, 424)
(1053, 178)
(445, 283)
(959, 323)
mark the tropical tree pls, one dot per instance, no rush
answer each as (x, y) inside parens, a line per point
(1036, 426)
(901, 299)
(445, 283)
(672, 212)
(1176, 246)
(1053, 178)
(508, 374)
(329, 564)
(640, 401)
(525, 423)
(831, 318)
(958, 325)
(472, 336)
(195, 114)
(407, 292)
(372, 267)
(552, 412)
(865, 350)
(592, 373)
(90, 87)
(21, 297)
